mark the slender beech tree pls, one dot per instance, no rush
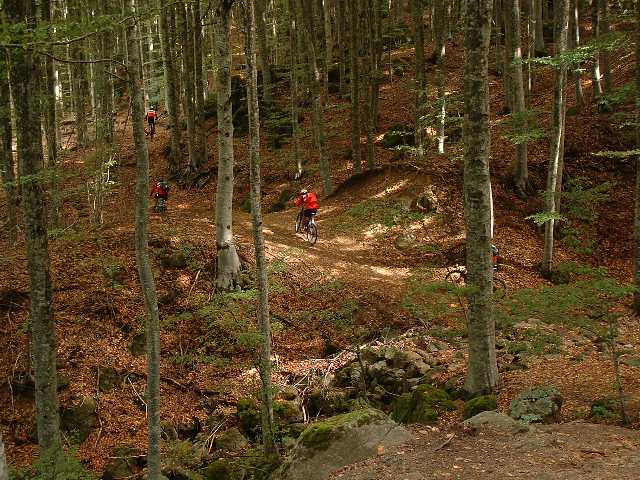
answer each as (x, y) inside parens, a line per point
(541, 49)
(7, 165)
(440, 55)
(50, 124)
(554, 176)
(4, 470)
(145, 273)
(513, 48)
(171, 91)
(263, 51)
(79, 74)
(636, 299)
(354, 73)
(188, 66)
(200, 128)
(295, 63)
(603, 31)
(268, 426)
(421, 83)
(573, 43)
(595, 28)
(482, 376)
(316, 87)
(25, 73)
(228, 262)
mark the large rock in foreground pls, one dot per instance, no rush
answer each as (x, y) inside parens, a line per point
(538, 404)
(341, 440)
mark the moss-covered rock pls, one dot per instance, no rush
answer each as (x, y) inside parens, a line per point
(606, 409)
(231, 441)
(249, 415)
(219, 470)
(538, 404)
(330, 401)
(338, 441)
(423, 405)
(479, 404)
(80, 419)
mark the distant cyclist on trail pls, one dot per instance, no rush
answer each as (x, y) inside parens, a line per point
(309, 202)
(151, 117)
(160, 192)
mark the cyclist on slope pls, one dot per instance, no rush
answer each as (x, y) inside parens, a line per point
(309, 202)
(151, 120)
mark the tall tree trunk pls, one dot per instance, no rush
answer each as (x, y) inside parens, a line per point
(50, 102)
(595, 28)
(343, 46)
(7, 165)
(604, 30)
(4, 470)
(268, 426)
(557, 138)
(636, 223)
(25, 73)
(574, 42)
(421, 83)
(370, 76)
(328, 43)
(316, 85)
(228, 262)
(186, 36)
(293, 43)
(263, 49)
(354, 73)
(145, 273)
(531, 43)
(200, 127)
(79, 72)
(440, 55)
(172, 93)
(482, 376)
(514, 70)
(541, 49)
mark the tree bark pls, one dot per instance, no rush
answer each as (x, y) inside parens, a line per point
(354, 73)
(228, 262)
(263, 49)
(511, 9)
(541, 49)
(186, 37)
(595, 28)
(268, 426)
(557, 138)
(316, 85)
(200, 128)
(50, 102)
(4, 470)
(482, 376)
(25, 73)
(440, 55)
(79, 80)
(172, 94)
(636, 223)
(604, 30)
(574, 42)
(145, 272)
(7, 165)
(421, 83)
(293, 43)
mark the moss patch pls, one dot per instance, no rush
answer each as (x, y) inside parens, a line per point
(423, 405)
(479, 404)
(320, 434)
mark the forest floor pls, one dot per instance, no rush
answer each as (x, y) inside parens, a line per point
(355, 286)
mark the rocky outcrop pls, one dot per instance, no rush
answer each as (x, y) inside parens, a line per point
(495, 421)
(538, 404)
(339, 441)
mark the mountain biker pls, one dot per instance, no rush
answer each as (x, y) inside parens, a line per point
(309, 202)
(151, 120)
(160, 192)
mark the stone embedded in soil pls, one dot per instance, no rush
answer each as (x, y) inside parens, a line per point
(538, 404)
(80, 419)
(495, 421)
(424, 405)
(479, 404)
(231, 441)
(339, 441)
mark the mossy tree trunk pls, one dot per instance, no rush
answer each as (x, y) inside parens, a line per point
(228, 262)
(145, 272)
(7, 165)
(200, 127)
(513, 47)
(554, 175)
(79, 77)
(25, 73)
(184, 21)
(268, 426)
(172, 93)
(541, 49)
(482, 375)
(293, 77)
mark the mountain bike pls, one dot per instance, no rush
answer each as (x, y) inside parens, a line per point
(160, 205)
(458, 276)
(311, 229)
(151, 131)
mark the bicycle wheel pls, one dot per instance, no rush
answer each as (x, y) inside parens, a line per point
(499, 288)
(312, 233)
(456, 277)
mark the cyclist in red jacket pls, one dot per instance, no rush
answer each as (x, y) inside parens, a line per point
(151, 120)
(160, 192)
(309, 202)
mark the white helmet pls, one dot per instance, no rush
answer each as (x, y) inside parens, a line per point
(303, 191)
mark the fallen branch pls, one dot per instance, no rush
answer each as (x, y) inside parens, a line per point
(446, 442)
